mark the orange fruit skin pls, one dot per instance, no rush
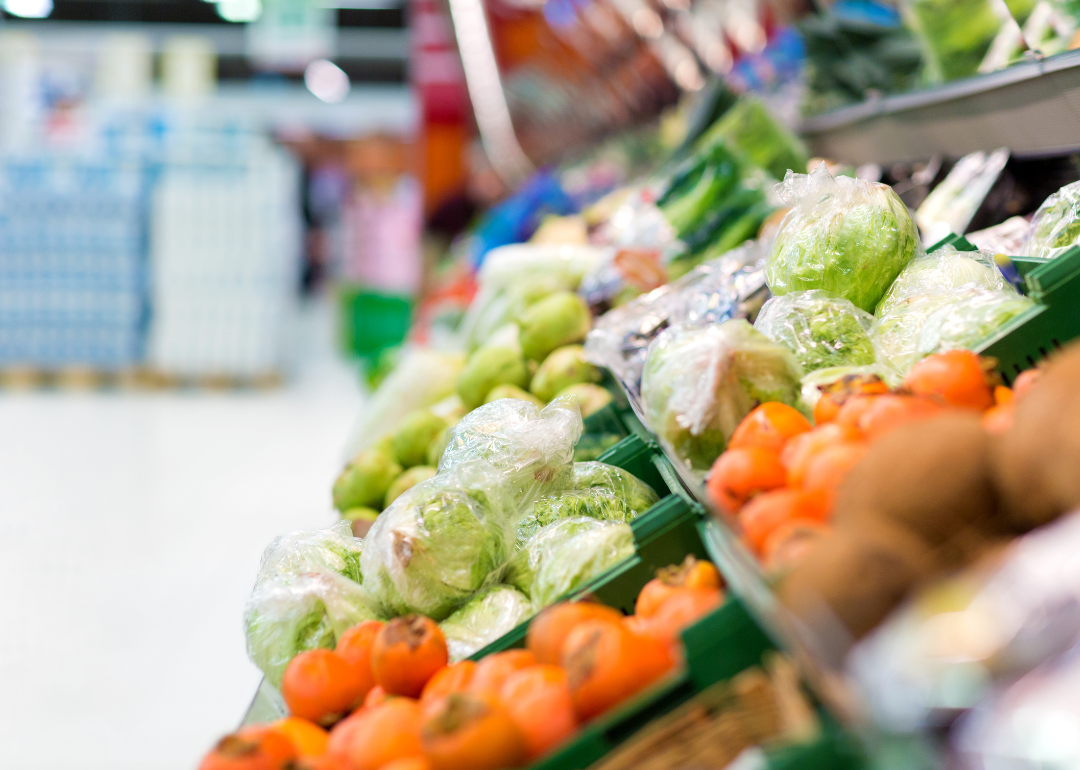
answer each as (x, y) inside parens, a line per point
(606, 664)
(375, 696)
(538, 700)
(488, 739)
(766, 512)
(253, 748)
(406, 653)
(492, 672)
(681, 610)
(454, 678)
(320, 686)
(790, 542)
(769, 426)
(356, 645)
(801, 449)
(310, 739)
(998, 419)
(830, 467)
(374, 737)
(549, 629)
(891, 411)
(739, 474)
(409, 763)
(955, 376)
(324, 762)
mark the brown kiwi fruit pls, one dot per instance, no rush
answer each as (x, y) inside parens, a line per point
(861, 574)
(1037, 461)
(933, 477)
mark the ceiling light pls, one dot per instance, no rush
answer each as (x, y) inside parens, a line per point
(239, 11)
(327, 81)
(29, 9)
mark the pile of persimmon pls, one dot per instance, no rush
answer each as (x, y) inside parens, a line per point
(386, 698)
(780, 473)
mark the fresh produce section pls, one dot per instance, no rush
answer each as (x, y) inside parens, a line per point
(695, 446)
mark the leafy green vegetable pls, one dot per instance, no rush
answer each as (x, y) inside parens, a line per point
(845, 236)
(490, 614)
(957, 34)
(967, 322)
(1055, 228)
(334, 549)
(437, 544)
(698, 384)
(821, 330)
(750, 127)
(526, 562)
(572, 563)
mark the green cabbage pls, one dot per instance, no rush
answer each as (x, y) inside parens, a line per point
(821, 330)
(436, 545)
(967, 322)
(698, 384)
(334, 549)
(1055, 228)
(570, 564)
(490, 614)
(845, 236)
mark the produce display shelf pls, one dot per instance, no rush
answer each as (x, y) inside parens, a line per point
(1032, 108)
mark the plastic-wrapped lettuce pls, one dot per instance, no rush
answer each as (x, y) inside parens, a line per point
(698, 384)
(931, 283)
(820, 329)
(532, 447)
(493, 612)
(1055, 228)
(334, 549)
(436, 545)
(846, 236)
(967, 322)
(637, 495)
(567, 554)
(292, 612)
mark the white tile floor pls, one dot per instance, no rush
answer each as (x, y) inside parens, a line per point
(130, 530)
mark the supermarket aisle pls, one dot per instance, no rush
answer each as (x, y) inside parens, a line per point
(130, 530)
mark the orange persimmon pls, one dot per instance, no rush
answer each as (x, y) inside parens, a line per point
(788, 543)
(830, 467)
(377, 736)
(356, 644)
(739, 474)
(762, 515)
(406, 654)
(310, 739)
(957, 377)
(549, 629)
(606, 663)
(375, 696)
(491, 672)
(680, 610)
(891, 411)
(408, 763)
(453, 678)
(851, 413)
(692, 573)
(801, 449)
(540, 690)
(472, 731)
(769, 426)
(321, 762)
(835, 394)
(253, 748)
(321, 686)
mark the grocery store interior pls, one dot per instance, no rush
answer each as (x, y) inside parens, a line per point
(553, 384)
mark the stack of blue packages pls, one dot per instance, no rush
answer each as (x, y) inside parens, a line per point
(72, 262)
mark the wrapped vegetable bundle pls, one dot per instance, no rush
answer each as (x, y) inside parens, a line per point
(963, 290)
(598, 491)
(821, 330)
(1055, 228)
(493, 612)
(567, 554)
(533, 448)
(848, 237)
(436, 545)
(333, 549)
(698, 384)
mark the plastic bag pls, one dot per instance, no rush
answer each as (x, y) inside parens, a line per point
(490, 614)
(570, 564)
(820, 329)
(698, 384)
(438, 543)
(422, 378)
(1055, 228)
(967, 322)
(637, 495)
(711, 293)
(289, 613)
(532, 447)
(930, 284)
(334, 549)
(846, 236)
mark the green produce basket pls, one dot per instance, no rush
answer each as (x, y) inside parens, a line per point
(371, 322)
(1032, 336)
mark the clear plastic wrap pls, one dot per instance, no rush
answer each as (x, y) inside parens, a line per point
(333, 549)
(288, 613)
(637, 495)
(574, 562)
(1055, 228)
(490, 614)
(932, 285)
(967, 322)
(522, 568)
(846, 236)
(698, 384)
(532, 447)
(711, 293)
(438, 543)
(820, 329)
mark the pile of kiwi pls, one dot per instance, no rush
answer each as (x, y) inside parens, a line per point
(937, 495)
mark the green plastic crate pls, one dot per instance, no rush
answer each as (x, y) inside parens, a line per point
(371, 322)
